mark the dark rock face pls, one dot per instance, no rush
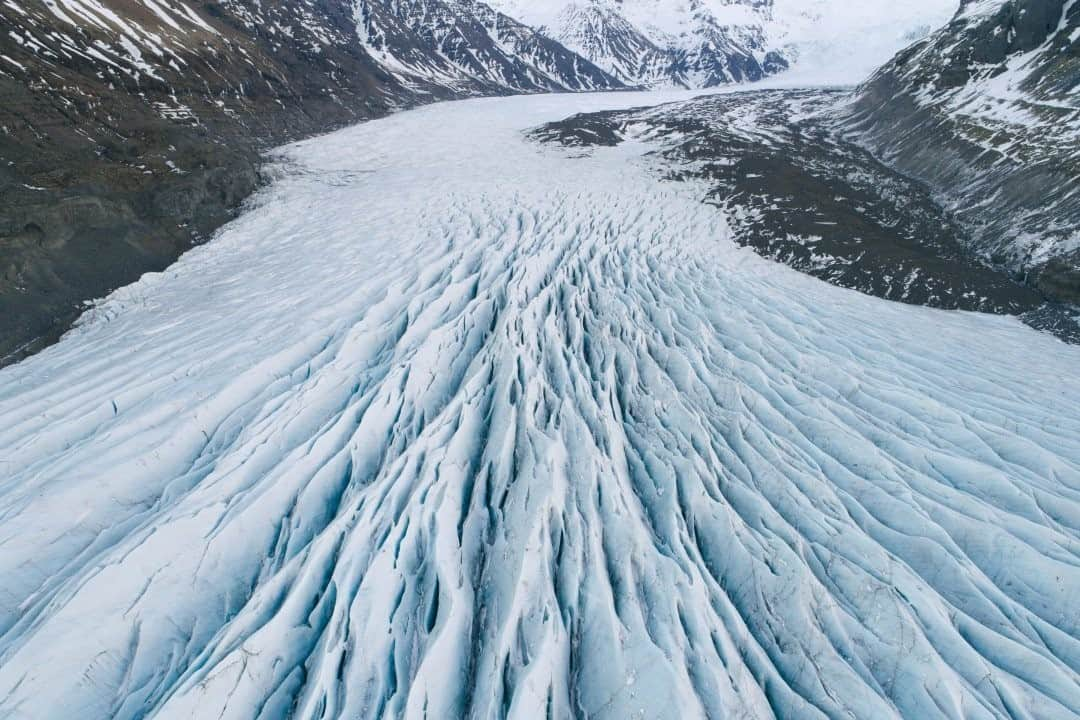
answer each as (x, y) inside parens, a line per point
(1027, 25)
(985, 111)
(62, 245)
(727, 55)
(127, 137)
(775, 63)
(129, 133)
(796, 191)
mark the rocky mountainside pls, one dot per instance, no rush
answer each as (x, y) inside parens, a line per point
(987, 112)
(703, 43)
(641, 42)
(796, 191)
(130, 129)
(465, 45)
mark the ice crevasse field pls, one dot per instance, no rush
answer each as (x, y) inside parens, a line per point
(452, 424)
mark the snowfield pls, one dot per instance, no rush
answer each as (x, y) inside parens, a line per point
(451, 424)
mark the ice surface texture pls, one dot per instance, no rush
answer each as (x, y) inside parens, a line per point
(456, 425)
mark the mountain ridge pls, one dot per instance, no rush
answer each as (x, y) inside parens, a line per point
(705, 43)
(467, 46)
(690, 48)
(986, 112)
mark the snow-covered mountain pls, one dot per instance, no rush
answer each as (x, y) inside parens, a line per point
(661, 44)
(702, 43)
(465, 44)
(987, 111)
(600, 32)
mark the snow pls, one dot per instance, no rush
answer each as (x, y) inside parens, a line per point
(14, 62)
(830, 41)
(844, 42)
(452, 424)
(1009, 134)
(138, 38)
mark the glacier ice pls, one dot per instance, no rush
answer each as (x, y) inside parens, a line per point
(450, 424)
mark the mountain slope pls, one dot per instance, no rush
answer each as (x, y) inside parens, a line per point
(462, 427)
(693, 45)
(987, 111)
(704, 43)
(466, 45)
(599, 32)
(130, 129)
(720, 51)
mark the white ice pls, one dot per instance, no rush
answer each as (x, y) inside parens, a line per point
(454, 425)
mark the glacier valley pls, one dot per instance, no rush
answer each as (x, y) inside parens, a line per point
(453, 423)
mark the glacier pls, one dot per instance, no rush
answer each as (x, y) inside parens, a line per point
(453, 424)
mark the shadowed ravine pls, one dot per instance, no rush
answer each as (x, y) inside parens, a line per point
(454, 425)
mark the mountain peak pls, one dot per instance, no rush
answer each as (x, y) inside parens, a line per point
(701, 43)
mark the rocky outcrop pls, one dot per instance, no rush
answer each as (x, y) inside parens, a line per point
(987, 112)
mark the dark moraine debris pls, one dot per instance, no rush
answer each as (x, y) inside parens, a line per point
(582, 130)
(797, 192)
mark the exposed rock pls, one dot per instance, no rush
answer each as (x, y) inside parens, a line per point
(987, 112)
(130, 131)
(467, 46)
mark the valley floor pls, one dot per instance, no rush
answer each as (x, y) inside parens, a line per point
(453, 423)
